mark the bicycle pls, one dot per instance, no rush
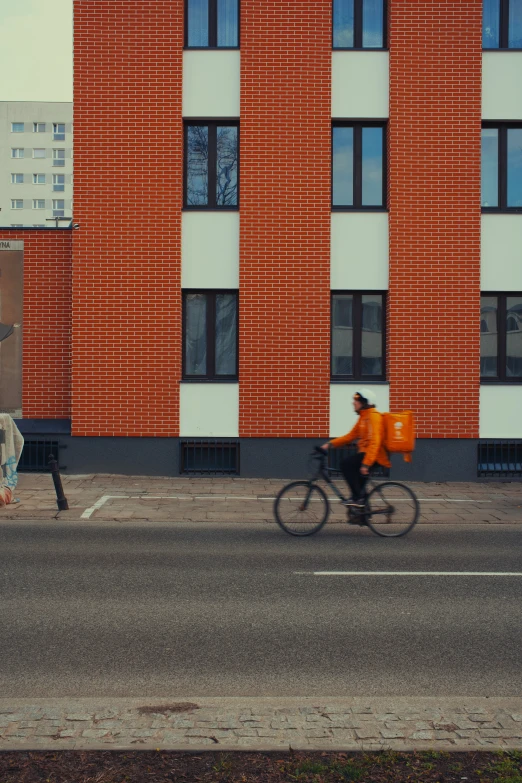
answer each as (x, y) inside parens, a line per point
(302, 507)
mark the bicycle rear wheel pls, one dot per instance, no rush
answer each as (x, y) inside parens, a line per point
(301, 508)
(391, 509)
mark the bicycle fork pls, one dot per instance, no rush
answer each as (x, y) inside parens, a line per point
(304, 504)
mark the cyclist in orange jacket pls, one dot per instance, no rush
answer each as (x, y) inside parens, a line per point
(369, 433)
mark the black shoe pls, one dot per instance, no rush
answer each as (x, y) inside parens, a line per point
(357, 503)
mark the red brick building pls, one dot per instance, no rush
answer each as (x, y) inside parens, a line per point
(277, 204)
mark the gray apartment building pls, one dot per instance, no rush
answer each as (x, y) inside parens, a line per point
(35, 164)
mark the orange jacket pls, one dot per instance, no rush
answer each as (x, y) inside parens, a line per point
(369, 434)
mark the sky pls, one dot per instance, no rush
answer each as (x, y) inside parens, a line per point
(36, 50)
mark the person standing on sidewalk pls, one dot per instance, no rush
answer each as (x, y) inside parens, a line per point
(368, 432)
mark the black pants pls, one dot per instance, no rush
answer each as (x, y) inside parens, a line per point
(351, 470)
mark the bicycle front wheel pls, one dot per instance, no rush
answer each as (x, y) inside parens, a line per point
(301, 508)
(391, 509)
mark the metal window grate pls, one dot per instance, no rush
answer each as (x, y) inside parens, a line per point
(35, 455)
(500, 459)
(336, 456)
(210, 457)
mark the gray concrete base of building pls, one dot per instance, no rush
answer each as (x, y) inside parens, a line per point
(433, 459)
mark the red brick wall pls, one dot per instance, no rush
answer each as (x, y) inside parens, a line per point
(128, 198)
(46, 364)
(285, 218)
(434, 202)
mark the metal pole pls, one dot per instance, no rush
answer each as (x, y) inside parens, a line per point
(60, 497)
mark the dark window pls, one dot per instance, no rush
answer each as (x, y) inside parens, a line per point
(211, 165)
(358, 335)
(502, 24)
(502, 166)
(501, 337)
(358, 165)
(210, 335)
(35, 454)
(359, 24)
(209, 457)
(212, 23)
(499, 458)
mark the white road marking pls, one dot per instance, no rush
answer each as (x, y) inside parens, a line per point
(268, 498)
(410, 573)
(452, 500)
(99, 503)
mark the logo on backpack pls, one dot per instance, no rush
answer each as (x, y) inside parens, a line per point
(399, 433)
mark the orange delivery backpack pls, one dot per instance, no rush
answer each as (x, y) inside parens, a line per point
(399, 433)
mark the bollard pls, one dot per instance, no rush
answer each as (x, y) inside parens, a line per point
(60, 497)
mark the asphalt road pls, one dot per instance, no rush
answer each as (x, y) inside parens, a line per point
(108, 609)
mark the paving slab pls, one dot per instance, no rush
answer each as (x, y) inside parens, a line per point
(262, 724)
(111, 497)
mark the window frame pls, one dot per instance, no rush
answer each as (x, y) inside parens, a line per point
(58, 135)
(357, 205)
(212, 28)
(357, 335)
(17, 201)
(503, 29)
(58, 211)
(210, 376)
(358, 30)
(37, 127)
(18, 149)
(18, 130)
(501, 377)
(57, 160)
(58, 187)
(35, 179)
(502, 126)
(212, 157)
(38, 201)
(17, 174)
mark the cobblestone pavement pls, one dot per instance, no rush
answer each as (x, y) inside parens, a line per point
(110, 497)
(263, 724)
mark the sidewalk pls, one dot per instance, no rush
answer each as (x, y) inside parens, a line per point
(161, 499)
(193, 724)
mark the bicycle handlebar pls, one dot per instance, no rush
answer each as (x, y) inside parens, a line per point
(320, 451)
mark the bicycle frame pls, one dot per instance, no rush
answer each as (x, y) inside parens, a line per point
(325, 473)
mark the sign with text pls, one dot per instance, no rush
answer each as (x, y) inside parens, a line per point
(11, 244)
(11, 315)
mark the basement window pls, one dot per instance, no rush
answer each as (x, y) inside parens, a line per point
(209, 457)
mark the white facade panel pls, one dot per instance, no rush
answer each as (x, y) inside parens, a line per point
(209, 410)
(211, 83)
(210, 250)
(359, 251)
(342, 414)
(501, 253)
(500, 408)
(501, 85)
(360, 85)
